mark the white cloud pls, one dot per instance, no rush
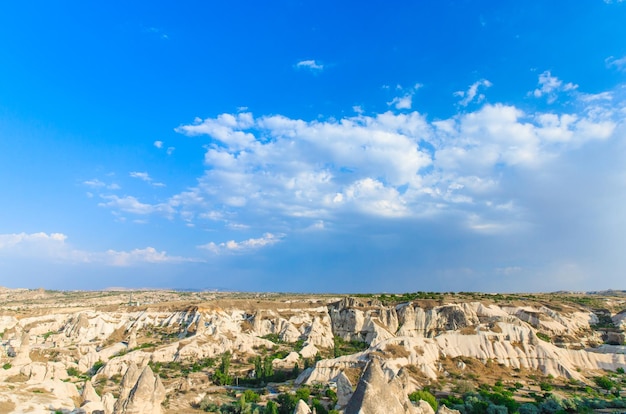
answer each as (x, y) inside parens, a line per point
(402, 102)
(550, 87)
(146, 255)
(95, 183)
(132, 205)
(406, 100)
(144, 176)
(472, 95)
(268, 239)
(281, 174)
(619, 64)
(310, 64)
(9, 241)
(161, 145)
(53, 247)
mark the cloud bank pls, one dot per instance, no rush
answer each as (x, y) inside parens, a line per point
(526, 195)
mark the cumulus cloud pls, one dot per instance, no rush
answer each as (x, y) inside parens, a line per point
(402, 102)
(158, 144)
(285, 175)
(550, 87)
(310, 65)
(9, 241)
(268, 239)
(472, 95)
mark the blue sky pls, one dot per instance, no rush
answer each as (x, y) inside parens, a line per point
(313, 146)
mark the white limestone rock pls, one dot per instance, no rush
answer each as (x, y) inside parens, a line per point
(302, 408)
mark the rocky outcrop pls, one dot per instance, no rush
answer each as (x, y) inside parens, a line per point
(145, 397)
(445, 410)
(301, 408)
(422, 407)
(22, 356)
(420, 334)
(344, 390)
(374, 394)
(89, 393)
(288, 362)
(91, 401)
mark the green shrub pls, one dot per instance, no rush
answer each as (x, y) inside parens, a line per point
(546, 386)
(272, 337)
(6, 366)
(426, 396)
(251, 396)
(303, 394)
(287, 403)
(604, 382)
(94, 370)
(342, 347)
(543, 336)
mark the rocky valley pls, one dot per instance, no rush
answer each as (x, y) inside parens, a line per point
(189, 352)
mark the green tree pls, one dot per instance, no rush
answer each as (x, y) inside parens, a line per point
(221, 375)
(295, 371)
(528, 408)
(287, 403)
(268, 367)
(319, 407)
(258, 367)
(271, 408)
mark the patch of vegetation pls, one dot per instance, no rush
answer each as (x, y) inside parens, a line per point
(145, 346)
(73, 372)
(543, 337)
(177, 368)
(6, 366)
(348, 347)
(272, 337)
(426, 396)
(221, 376)
(605, 383)
(546, 386)
(96, 367)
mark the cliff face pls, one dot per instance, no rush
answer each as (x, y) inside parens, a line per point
(46, 349)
